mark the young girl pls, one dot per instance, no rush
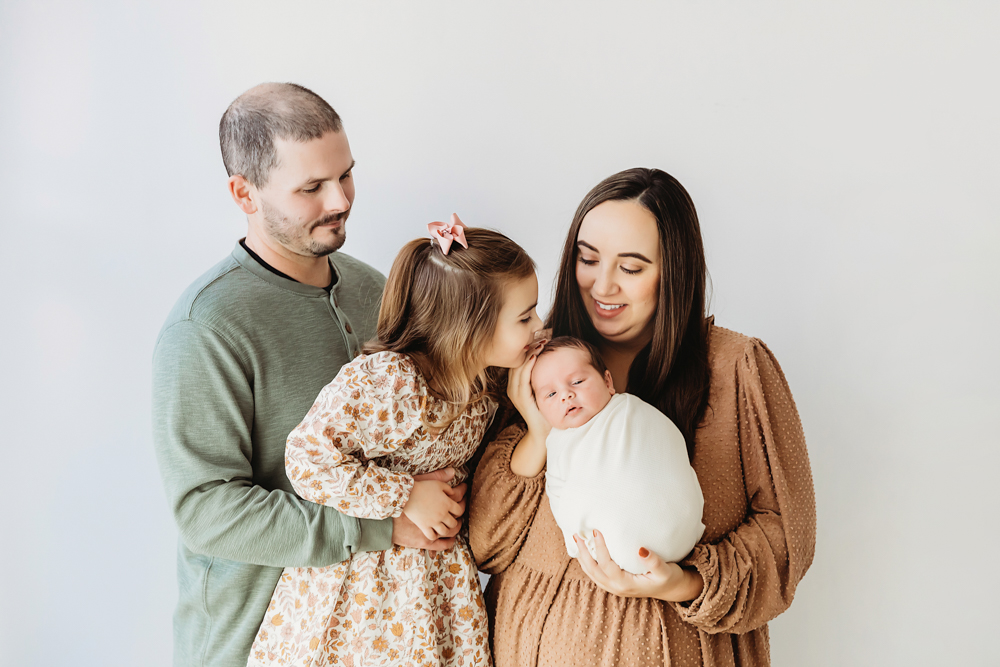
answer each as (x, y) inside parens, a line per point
(454, 308)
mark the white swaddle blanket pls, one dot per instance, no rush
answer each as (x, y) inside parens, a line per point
(626, 473)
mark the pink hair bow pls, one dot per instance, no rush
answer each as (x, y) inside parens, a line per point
(446, 233)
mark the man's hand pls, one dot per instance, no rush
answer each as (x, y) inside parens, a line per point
(406, 534)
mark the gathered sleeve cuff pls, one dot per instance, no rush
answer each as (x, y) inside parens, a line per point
(750, 575)
(372, 408)
(503, 504)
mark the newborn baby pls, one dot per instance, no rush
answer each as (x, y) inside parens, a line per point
(615, 463)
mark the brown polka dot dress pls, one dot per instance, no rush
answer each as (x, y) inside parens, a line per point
(760, 525)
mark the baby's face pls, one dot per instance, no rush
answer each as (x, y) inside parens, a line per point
(568, 390)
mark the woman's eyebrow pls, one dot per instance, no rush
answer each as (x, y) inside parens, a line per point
(634, 255)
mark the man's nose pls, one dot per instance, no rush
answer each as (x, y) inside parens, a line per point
(336, 199)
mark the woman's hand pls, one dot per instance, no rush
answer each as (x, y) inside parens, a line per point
(664, 581)
(528, 458)
(433, 509)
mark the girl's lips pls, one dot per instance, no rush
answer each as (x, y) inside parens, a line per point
(608, 313)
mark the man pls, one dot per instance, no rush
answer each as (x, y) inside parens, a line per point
(238, 364)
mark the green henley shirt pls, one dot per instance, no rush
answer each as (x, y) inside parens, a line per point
(237, 365)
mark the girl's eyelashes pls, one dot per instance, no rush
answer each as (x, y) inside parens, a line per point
(630, 272)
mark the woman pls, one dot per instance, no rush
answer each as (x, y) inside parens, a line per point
(632, 282)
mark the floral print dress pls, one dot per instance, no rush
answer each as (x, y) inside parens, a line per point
(356, 451)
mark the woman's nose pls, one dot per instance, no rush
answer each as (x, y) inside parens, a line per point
(605, 284)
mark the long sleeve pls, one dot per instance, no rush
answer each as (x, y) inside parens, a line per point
(750, 574)
(503, 504)
(371, 408)
(203, 412)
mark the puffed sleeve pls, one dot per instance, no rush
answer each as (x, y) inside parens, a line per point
(503, 504)
(371, 408)
(750, 575)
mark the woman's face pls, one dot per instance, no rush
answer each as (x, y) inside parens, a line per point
(618, 270)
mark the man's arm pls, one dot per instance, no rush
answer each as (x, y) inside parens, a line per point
(203, 411)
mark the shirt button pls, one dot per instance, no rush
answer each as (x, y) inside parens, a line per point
(348, 327)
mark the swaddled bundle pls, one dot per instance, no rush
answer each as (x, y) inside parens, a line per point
(626, 473)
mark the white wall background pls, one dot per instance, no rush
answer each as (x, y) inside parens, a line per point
(842, 155)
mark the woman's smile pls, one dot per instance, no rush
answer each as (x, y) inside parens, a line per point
(608, 310)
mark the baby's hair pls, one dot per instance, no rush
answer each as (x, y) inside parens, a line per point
(563, 342)
(442, 310)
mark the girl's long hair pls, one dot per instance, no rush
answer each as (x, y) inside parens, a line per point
(442, 310)
(671, 372)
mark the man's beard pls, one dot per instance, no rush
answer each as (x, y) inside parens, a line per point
(287, 234)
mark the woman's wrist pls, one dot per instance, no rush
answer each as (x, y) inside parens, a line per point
(684, 588)
(528, 457)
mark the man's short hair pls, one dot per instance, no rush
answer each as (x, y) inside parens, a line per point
(267, 112)
(563, 342)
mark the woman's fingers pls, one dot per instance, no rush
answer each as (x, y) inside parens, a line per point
(589, 565)
(608, 566)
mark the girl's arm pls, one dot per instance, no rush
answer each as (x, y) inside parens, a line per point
(751, 574)
(371, 408)
(503, 504)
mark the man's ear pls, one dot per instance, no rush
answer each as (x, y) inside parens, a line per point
(610, 382)
(243, 193)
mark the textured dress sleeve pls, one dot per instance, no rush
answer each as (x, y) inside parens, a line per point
(370, 409)
(750, 574)
(503, 504)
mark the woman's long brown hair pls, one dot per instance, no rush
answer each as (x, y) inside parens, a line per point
(672, 371)
(442, 310)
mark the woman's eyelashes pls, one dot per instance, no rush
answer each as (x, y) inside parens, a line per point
(586, 261)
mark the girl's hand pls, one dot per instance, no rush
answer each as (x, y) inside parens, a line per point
(528, 458)
(664, 581)
(433, 509)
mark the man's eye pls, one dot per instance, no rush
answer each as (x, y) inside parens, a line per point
(314, 188)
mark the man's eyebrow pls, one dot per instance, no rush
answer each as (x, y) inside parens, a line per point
(634, 255)
(320, 180)
(528, 309)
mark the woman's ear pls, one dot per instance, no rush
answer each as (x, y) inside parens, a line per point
(610, 382)
(243, 194)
